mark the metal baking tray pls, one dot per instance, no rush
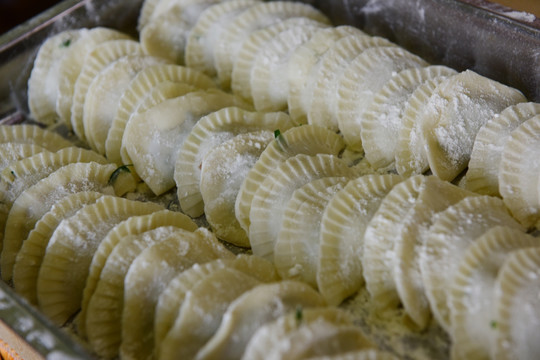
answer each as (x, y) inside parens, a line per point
(464, 34)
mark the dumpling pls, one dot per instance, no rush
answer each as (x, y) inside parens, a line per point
(138, 89)
(96, 61)
(210, 131)
(269, 201)
(309, 140)
(154, 138)
(250, 311)
(223, 170)
(456, 111)
(483, 171)
(70, 251)
(133, 226)
(149, 274)
(519, 172)
(44, 78)
(472, 292)
(447, 239)
(343, 224)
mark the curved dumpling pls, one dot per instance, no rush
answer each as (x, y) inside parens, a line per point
(43, 81)
(382, 119)
(456, 110)
(103, 311)
(255, 17)
(138, 89)
(204, 35)
(307, 333)
(321, 98)
(33, 134)
(12, 151)
(72, 63)
(250, 311)
(223, 170)
(483, 171)
(343, 224)
(30, 256)
(202, 311)
(309, 140)
(133, 226)
(305, 58)
(448, 238)
(357, 85)
(296, 252)
(519, 171)
(210, 131)
(71, 249)
(269, 75)
(268, 206)
(517, 307)
(472, 292)
(171, 299)
(154, 138)
(96, 61)
(149, 274)
(392, 240)
(411, 157)
(256, 43)
(104, 93)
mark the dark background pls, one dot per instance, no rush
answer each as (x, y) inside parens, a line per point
(14, 12)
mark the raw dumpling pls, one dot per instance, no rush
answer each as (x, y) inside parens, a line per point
(43, 81)
(30, 256)
(517, 306)
(343, 225)
(205, 33)
(149, 274)
(357, 85)
(269, 75)
(519, 172)
(256, 17)
(483, 173)
(447, 239)
(104, 93)
(472, 293)
(209, 132)
(154, 138)
(72, 62)
(250, 311)
(382, 119)
(303, 60)
(456, 111)
(67, 260)
(296, 252)
(269, 201)
(307, 333)
(223, 170)
(137, 90)
(309, 140)
(96, 61)
(133, 226)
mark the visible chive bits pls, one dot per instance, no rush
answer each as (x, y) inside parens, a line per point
(117, 172)
(299, 314)
(66, 43)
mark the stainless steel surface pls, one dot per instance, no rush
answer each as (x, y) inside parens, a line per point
(460, 34)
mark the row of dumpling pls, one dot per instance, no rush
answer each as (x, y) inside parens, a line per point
(337, 226)
(387, 103)
(140, 281)
(404, 113)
